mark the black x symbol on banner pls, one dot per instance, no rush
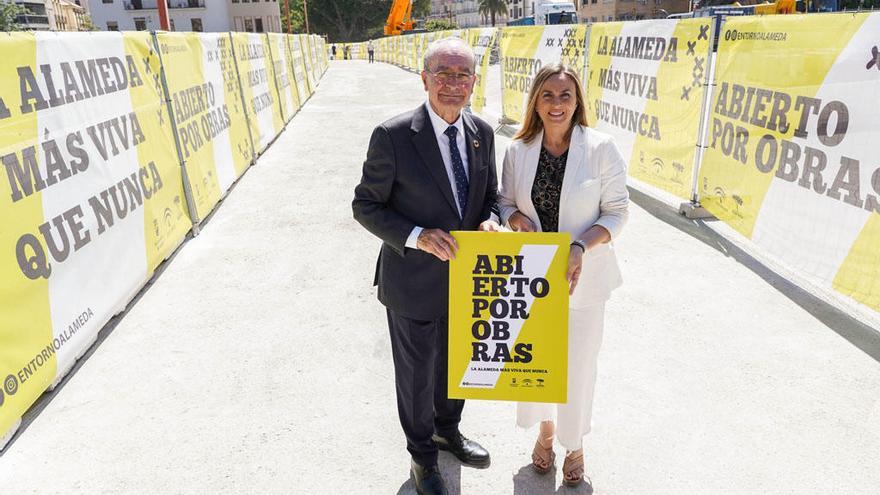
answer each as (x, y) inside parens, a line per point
(147, 68)
(875, 59)
(691, 46)
(686, 93)
(161, 116)
(559, 41)
(704, 33)
(549, 42)
(698, 64)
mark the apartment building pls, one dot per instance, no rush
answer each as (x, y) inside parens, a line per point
(628, 10)
(607, 10)
(465, 13)
(255, 16)
(40, 16)
(68, 16)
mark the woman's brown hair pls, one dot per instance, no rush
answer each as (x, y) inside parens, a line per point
(532, 124)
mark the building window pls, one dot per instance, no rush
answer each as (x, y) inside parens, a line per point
(234, 1)
(237, 23)
(112, 26)
(248, 24)
(108, 1)
(196, 24)
(140, 24)
(258, 25)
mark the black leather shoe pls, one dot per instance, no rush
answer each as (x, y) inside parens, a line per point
(467, 451)
(427, 479)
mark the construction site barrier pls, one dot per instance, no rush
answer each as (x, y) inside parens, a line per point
(113, 147)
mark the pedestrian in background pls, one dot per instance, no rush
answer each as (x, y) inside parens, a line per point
(333, 52)
(561, 176)
(370, 50)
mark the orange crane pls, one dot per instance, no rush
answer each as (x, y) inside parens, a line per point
(399, 18)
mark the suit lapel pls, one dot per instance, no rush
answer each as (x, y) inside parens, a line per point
(425, 142)
(476, 166)
(576, 150)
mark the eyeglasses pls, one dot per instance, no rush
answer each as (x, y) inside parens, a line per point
(452, 77)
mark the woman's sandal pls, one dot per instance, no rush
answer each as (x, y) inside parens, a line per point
(543, 458)
(573, 469)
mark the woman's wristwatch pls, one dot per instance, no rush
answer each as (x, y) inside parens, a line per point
(581, 244)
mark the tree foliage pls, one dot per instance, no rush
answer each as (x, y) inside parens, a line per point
(859, 4)
(296, 16)
(9, 12)
(421, 8)
(493, 7)
(348, 20)
(440, 25)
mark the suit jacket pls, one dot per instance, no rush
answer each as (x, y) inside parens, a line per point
(404, 184)
(593, 193)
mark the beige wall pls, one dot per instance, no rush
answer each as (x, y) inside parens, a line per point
(618, 10)
(68, 16)
(268, 12)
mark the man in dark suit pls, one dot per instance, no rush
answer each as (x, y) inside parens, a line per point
(427, 172)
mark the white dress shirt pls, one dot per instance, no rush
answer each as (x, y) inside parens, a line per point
(440, 127)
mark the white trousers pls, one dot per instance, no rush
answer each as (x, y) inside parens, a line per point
(573, 419)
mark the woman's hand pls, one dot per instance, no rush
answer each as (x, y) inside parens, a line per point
(575, 263)
(520, 223)
(490, 226)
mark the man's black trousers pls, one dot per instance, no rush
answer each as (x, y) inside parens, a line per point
(420, 362)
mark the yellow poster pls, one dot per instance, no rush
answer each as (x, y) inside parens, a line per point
(508, 317)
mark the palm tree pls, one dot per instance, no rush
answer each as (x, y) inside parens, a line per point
(492, 7)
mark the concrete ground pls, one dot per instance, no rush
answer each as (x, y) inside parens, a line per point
(258, 361)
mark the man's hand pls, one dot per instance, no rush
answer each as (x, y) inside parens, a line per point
(520, 223)
(575, 263)
(490, 226)
(439, 243)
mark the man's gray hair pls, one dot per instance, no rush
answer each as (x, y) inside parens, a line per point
(450, 44)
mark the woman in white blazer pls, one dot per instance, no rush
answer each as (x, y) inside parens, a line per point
(559, 175)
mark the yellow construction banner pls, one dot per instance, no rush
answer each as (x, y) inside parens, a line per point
(524, 50)
(208, 114)
(481, 41)
(792, 159)
(91, 198)
(257, 74)
(508, 317)
(287, 91)
(646, 87)
(298, 68)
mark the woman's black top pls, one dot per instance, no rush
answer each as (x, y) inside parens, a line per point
(547, 188)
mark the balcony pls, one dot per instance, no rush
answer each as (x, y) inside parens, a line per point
(33, 20)
(172, 4)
